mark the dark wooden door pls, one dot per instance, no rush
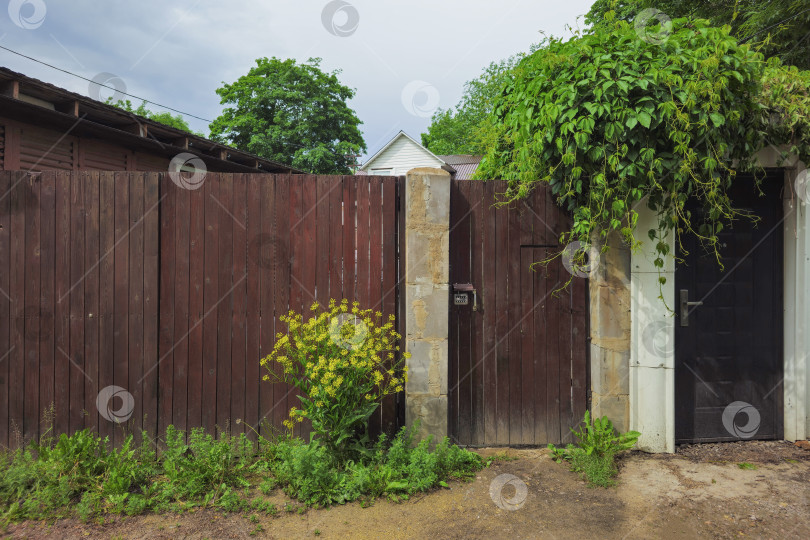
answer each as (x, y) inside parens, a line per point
(728, 358)
(518, 365)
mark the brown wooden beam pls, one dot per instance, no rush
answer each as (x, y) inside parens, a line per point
(11, 89)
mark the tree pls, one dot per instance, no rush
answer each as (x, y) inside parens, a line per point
(778, 27)
(165, 118)
(291, 113)
(464, 130)
(609, 119)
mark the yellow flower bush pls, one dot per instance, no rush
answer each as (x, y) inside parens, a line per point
(343, 360)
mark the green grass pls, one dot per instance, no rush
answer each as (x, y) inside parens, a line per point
(82, 476)
(747, 466)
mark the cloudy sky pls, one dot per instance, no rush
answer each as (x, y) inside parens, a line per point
(404, 58)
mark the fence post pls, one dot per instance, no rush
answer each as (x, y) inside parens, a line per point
(427, 276)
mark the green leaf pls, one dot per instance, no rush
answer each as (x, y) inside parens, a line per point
(717, 119)
(644, 119)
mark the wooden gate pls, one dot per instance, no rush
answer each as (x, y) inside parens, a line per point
(518, 367)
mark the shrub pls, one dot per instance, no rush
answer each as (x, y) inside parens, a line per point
(597, 445)
(342, 360)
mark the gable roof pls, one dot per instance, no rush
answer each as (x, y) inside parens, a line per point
(398, 136)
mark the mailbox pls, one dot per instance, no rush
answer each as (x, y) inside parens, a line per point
(461, 295)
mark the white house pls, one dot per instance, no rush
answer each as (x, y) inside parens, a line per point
(403, 153)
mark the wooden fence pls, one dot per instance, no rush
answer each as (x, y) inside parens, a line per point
(120, 279)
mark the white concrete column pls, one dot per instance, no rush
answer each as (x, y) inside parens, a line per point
(427, 290)
(796, 235)
(652, 349)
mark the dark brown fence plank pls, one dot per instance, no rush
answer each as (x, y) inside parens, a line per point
(284, 398)
(375, 271)
(464, 313)
(211, 299)
(349, 236)
(239, 357)
(325, 186)
(527, 353)
(77, 280)
(91, 299)
(151, 232)
(336, 238)
(477, 347)
(166, 338)
(46, 304)
(196, 303)
(579, 325)
(31, 309)
(389, 280)
(106, 299)
(180, 352)
(489, 307)
(268, 392)
(540, 300)
(16, 357)
(259, 253)
(136, 250)
(502, 324)
(362, 287)
(121, 287)
(61, 307)
(6, 314)
(553, 355)
(225, 300)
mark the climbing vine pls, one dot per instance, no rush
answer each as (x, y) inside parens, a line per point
(626, 115)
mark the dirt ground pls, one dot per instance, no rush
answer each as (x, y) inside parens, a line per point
(700, 491)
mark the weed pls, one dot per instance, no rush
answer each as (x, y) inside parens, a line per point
(596, 449)
(747, 466)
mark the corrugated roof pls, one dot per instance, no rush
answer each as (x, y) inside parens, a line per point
(460, 159)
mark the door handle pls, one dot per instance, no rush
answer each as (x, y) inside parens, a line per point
(685, 303)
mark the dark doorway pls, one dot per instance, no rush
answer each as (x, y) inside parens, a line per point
(728, 351)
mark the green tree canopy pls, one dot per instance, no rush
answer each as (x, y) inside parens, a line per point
(777, 27)
(614, 116)
(291, 113)
(463, 130)
(177, 121)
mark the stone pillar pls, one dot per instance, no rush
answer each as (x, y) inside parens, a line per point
(610, 334)
(427, 290)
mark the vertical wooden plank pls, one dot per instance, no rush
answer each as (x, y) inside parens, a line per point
(166, 339)
(136, 321)
(16, 291)
(462, 274)
(182, 250)
(121, 287)
(61, 314)
(211, 297)
(389, 281)
(489, 313)
(322, 239)
(268, 389)
(225, 302)
(540, 315)
(92, 258)
(260, 253)
(239, 357)
(349, 236)
(106, 271)
(78, 283)
(401, 307)
(7, 319)
(363, 254)
(282, 395)
(31, 309)
(375, 271)
(502, 322)
(552, 306)
(514, 337)
(151, 329)
(336, 238)
(477, 345)
(527, 354)
(196, 305)
(579, 350)
(454, 330)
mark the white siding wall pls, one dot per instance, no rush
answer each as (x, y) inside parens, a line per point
(402, 156)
